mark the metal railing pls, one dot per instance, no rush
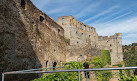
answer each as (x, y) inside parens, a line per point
(30, 70)
(33, 71)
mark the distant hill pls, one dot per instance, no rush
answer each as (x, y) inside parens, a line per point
(130, 54)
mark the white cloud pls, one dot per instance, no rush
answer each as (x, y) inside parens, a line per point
(56, 10)
(119, 17)
(88, 9)
(41, 3)
(129, 41)
(131, 35)
(125, 26)
(103, 13)
(128, 27)
(130, 38)
(116, 13)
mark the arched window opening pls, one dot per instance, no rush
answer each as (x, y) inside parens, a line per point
(77, 42)
(23, 4)
(54, 65)
(46, 63)
(41, 19)
(81, 33)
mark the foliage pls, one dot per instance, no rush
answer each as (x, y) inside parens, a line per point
(103, 75)
(119, 65)
(131, 60)
(135, 51)
(125, 75)
(127, 78)
(135, 73)
(106, 57)
(64, 76)
(73, 65)
(130, 57)
(100, 62)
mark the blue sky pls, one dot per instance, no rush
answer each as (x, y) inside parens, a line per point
(107, 16)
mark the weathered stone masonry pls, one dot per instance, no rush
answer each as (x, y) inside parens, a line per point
(28, 38)
(80, 34)
(31, 39)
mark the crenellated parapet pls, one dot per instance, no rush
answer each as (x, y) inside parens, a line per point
(115, 36)
(70, 20)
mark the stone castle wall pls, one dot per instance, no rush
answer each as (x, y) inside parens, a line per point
(80, 36)
(28, 39)
(80, 33)
(31, 39)
(114, 44)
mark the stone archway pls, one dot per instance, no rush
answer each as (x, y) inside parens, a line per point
(47, 63)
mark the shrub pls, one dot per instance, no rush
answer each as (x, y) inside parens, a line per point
(64, 76)
(106, 57)
(100, 62)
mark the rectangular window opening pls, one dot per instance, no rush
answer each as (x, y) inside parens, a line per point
(63, 21)
(84, 27)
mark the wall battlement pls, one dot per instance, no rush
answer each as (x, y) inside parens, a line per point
(115, 36)
(70, 20)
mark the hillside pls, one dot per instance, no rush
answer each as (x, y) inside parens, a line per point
(130, 54)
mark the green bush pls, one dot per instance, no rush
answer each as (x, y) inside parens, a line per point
(64, 76)
(124, 78)
(103, 75)
(100, 62)
(106, 57)
(119, 65)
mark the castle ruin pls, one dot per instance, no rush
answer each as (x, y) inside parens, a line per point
(30, 39)
(80, 33)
